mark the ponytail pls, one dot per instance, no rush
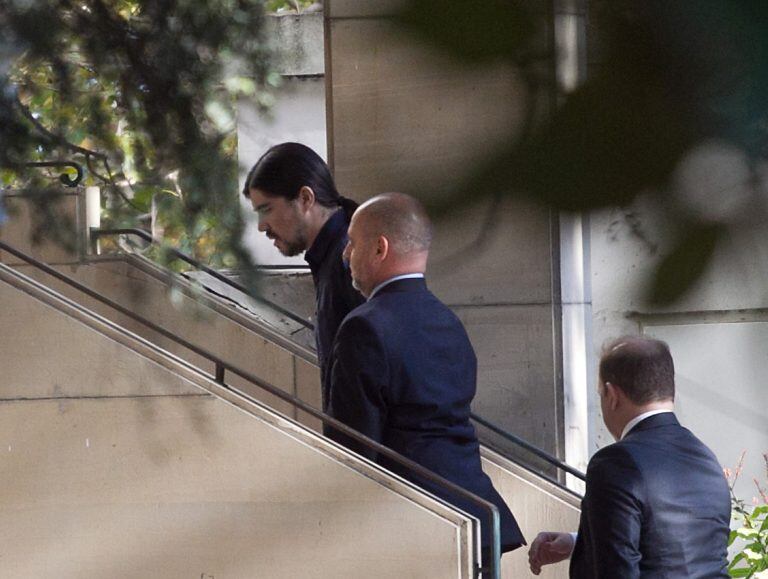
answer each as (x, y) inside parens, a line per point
(348, 206)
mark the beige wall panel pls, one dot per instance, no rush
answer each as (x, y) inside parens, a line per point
(537, 506)
(515, 375)
(404, 118)
(17, 230)
(309, 390)
(46, 353)
(193, 487)
(507, 267)
(187, 317)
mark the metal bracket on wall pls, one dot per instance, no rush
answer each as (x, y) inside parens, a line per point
(66, 178)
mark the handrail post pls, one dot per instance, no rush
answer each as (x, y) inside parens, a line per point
(496, 550)
(220, 372)
(493, 568)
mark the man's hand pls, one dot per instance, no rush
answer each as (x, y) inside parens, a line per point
(548, 548)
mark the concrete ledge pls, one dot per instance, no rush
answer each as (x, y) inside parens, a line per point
(361, 8)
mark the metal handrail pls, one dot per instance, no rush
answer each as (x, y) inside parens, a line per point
(542, 454)
(545, 456)
(96, 233)
(221, 367)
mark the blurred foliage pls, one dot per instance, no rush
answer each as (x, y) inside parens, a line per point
(663, 78)
(749, 541)
(141, 92)
(297, 6)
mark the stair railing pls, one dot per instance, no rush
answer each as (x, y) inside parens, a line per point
(513, 438)
(493, 569)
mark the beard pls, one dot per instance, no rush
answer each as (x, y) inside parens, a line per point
(295, 246)
(292, 248)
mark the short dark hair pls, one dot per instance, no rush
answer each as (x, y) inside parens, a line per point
(285, 168)
(642, 367)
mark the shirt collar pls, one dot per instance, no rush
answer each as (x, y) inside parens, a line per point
(332, 229)
(397, 277)
(638, 419)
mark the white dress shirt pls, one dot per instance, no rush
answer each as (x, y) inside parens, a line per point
(639, 418)
(397, 277)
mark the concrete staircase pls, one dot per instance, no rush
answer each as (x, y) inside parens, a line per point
(120, 460)
(125, 460)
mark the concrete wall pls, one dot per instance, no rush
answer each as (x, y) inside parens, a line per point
(537, 505)
(238, 337)
(297, 113)
(402, 117)
(20, 222)
(117, 462)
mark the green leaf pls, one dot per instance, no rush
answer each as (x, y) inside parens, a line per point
(142, 198)
(680, 269)
(747, 533)
(736, 560)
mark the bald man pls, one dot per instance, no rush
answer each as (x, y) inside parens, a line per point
(403, 370)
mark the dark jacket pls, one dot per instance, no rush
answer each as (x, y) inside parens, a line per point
(404, 374)
(334, 295)
(657, 505)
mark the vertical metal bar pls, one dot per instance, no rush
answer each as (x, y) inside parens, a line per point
(575, 359)
(220, 372)
(496, 547)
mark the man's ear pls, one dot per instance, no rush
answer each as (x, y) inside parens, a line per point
(612, 395)
(382, 248)
(306, 198)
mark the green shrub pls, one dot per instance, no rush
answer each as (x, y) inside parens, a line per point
(749, 542)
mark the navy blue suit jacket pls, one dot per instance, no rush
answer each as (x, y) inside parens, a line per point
(404, 374)
(656, 505)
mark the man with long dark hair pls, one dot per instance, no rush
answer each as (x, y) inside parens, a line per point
(299, 207)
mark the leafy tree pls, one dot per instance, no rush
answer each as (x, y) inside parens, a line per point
(289, 5)
(141, 92)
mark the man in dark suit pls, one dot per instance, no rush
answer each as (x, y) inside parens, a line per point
(656, 503)
(404, 371)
